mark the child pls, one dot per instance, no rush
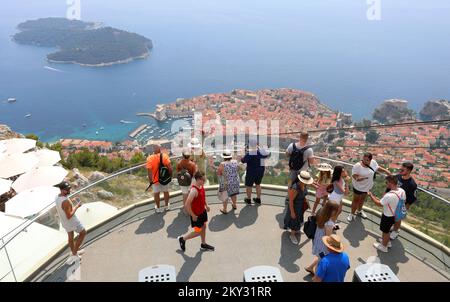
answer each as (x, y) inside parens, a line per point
(323, 180)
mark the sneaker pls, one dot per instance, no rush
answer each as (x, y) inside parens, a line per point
(362, 213)
(380, 240)
(293, 238)
(72, 259)
(393, 235)
(350, 217)
(157, 210)
(206, 247)
(80, 252)
(182, 243)
(167, 208)
(247, 201)
(380, 247)
(257, 200)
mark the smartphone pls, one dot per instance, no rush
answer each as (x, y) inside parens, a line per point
(76, 202)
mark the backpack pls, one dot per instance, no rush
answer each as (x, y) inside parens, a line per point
(400, 210)
(184, 178)
(310, 226)
(164, 174)
(296, 161)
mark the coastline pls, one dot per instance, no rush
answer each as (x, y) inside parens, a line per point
(143, 56)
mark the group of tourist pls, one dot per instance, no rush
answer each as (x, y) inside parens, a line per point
(330, 262)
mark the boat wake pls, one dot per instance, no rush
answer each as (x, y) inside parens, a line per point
(127, 122)
(53, 69)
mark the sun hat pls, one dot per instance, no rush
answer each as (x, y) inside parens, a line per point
(186, 152)
(194, 143)
(226, 154)
(333, 242)
(324, 167)
(305, 177)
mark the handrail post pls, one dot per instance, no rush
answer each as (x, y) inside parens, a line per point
(9, 260)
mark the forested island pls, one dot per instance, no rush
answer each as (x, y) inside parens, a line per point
(83, 43)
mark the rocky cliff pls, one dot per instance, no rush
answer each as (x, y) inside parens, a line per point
(435, 110)
(7, 133)
(394, 111)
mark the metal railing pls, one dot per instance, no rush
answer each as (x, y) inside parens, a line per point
(7, 238)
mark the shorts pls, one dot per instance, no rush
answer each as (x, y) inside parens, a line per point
(386, 223)
(185, 189)
(157, 188)
(253, 178)
(321, 192)
(293, 175)
(201, 220)
(77, 227)
(358, 192)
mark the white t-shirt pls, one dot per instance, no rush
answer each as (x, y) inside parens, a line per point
(366, 184)
(390, 201)
(308, 153)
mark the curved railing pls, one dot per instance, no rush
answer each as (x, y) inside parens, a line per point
(121, 190)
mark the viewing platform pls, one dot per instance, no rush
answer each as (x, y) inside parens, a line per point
(137, 237)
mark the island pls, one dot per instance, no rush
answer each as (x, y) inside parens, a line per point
(83, 43)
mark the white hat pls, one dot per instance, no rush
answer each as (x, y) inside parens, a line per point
(324, 167)
(194, 143)
(226, 154)
(305, 177)
(186, 151)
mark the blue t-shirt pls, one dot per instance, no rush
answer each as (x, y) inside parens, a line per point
(332, 267)
(254, 160)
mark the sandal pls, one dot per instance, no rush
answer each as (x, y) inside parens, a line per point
(234, 207)
(223, 212)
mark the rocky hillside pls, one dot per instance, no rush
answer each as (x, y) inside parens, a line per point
(435, 110)
(7, 133)
(394, 111)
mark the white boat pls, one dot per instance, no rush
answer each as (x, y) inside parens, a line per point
(126, 122)
(102, 128)
(96, 132)
(12, 100)
(28, 115)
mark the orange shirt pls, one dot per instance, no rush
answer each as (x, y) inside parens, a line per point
(153, 164)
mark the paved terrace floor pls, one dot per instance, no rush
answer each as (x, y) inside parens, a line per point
(249, 236)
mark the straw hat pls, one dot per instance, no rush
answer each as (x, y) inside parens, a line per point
(227, 154)
(194, 143)
(333, 242)
(324, 167)
(305, 177)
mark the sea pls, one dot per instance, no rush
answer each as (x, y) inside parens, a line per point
(352, 54)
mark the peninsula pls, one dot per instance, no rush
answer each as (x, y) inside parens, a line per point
(83, 43)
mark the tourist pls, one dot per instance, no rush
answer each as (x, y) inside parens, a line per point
(198, 209)
(321, 184)
(185, 173)
(197, 154)
(334, 266)
(325, 225)
(254, 158)
(155, 162)
(363, 175)
(229, 169)
(389, 203)
(408, 184)
(301, 157)
(69, 221)
(340, 189)
(297, 205)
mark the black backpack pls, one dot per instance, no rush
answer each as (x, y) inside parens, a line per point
(164, 174)
(184, 178)
(296, 161)
(310, 226)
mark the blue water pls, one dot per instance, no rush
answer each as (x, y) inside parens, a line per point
(204, 46)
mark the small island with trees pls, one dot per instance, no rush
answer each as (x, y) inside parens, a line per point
(83, 43)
